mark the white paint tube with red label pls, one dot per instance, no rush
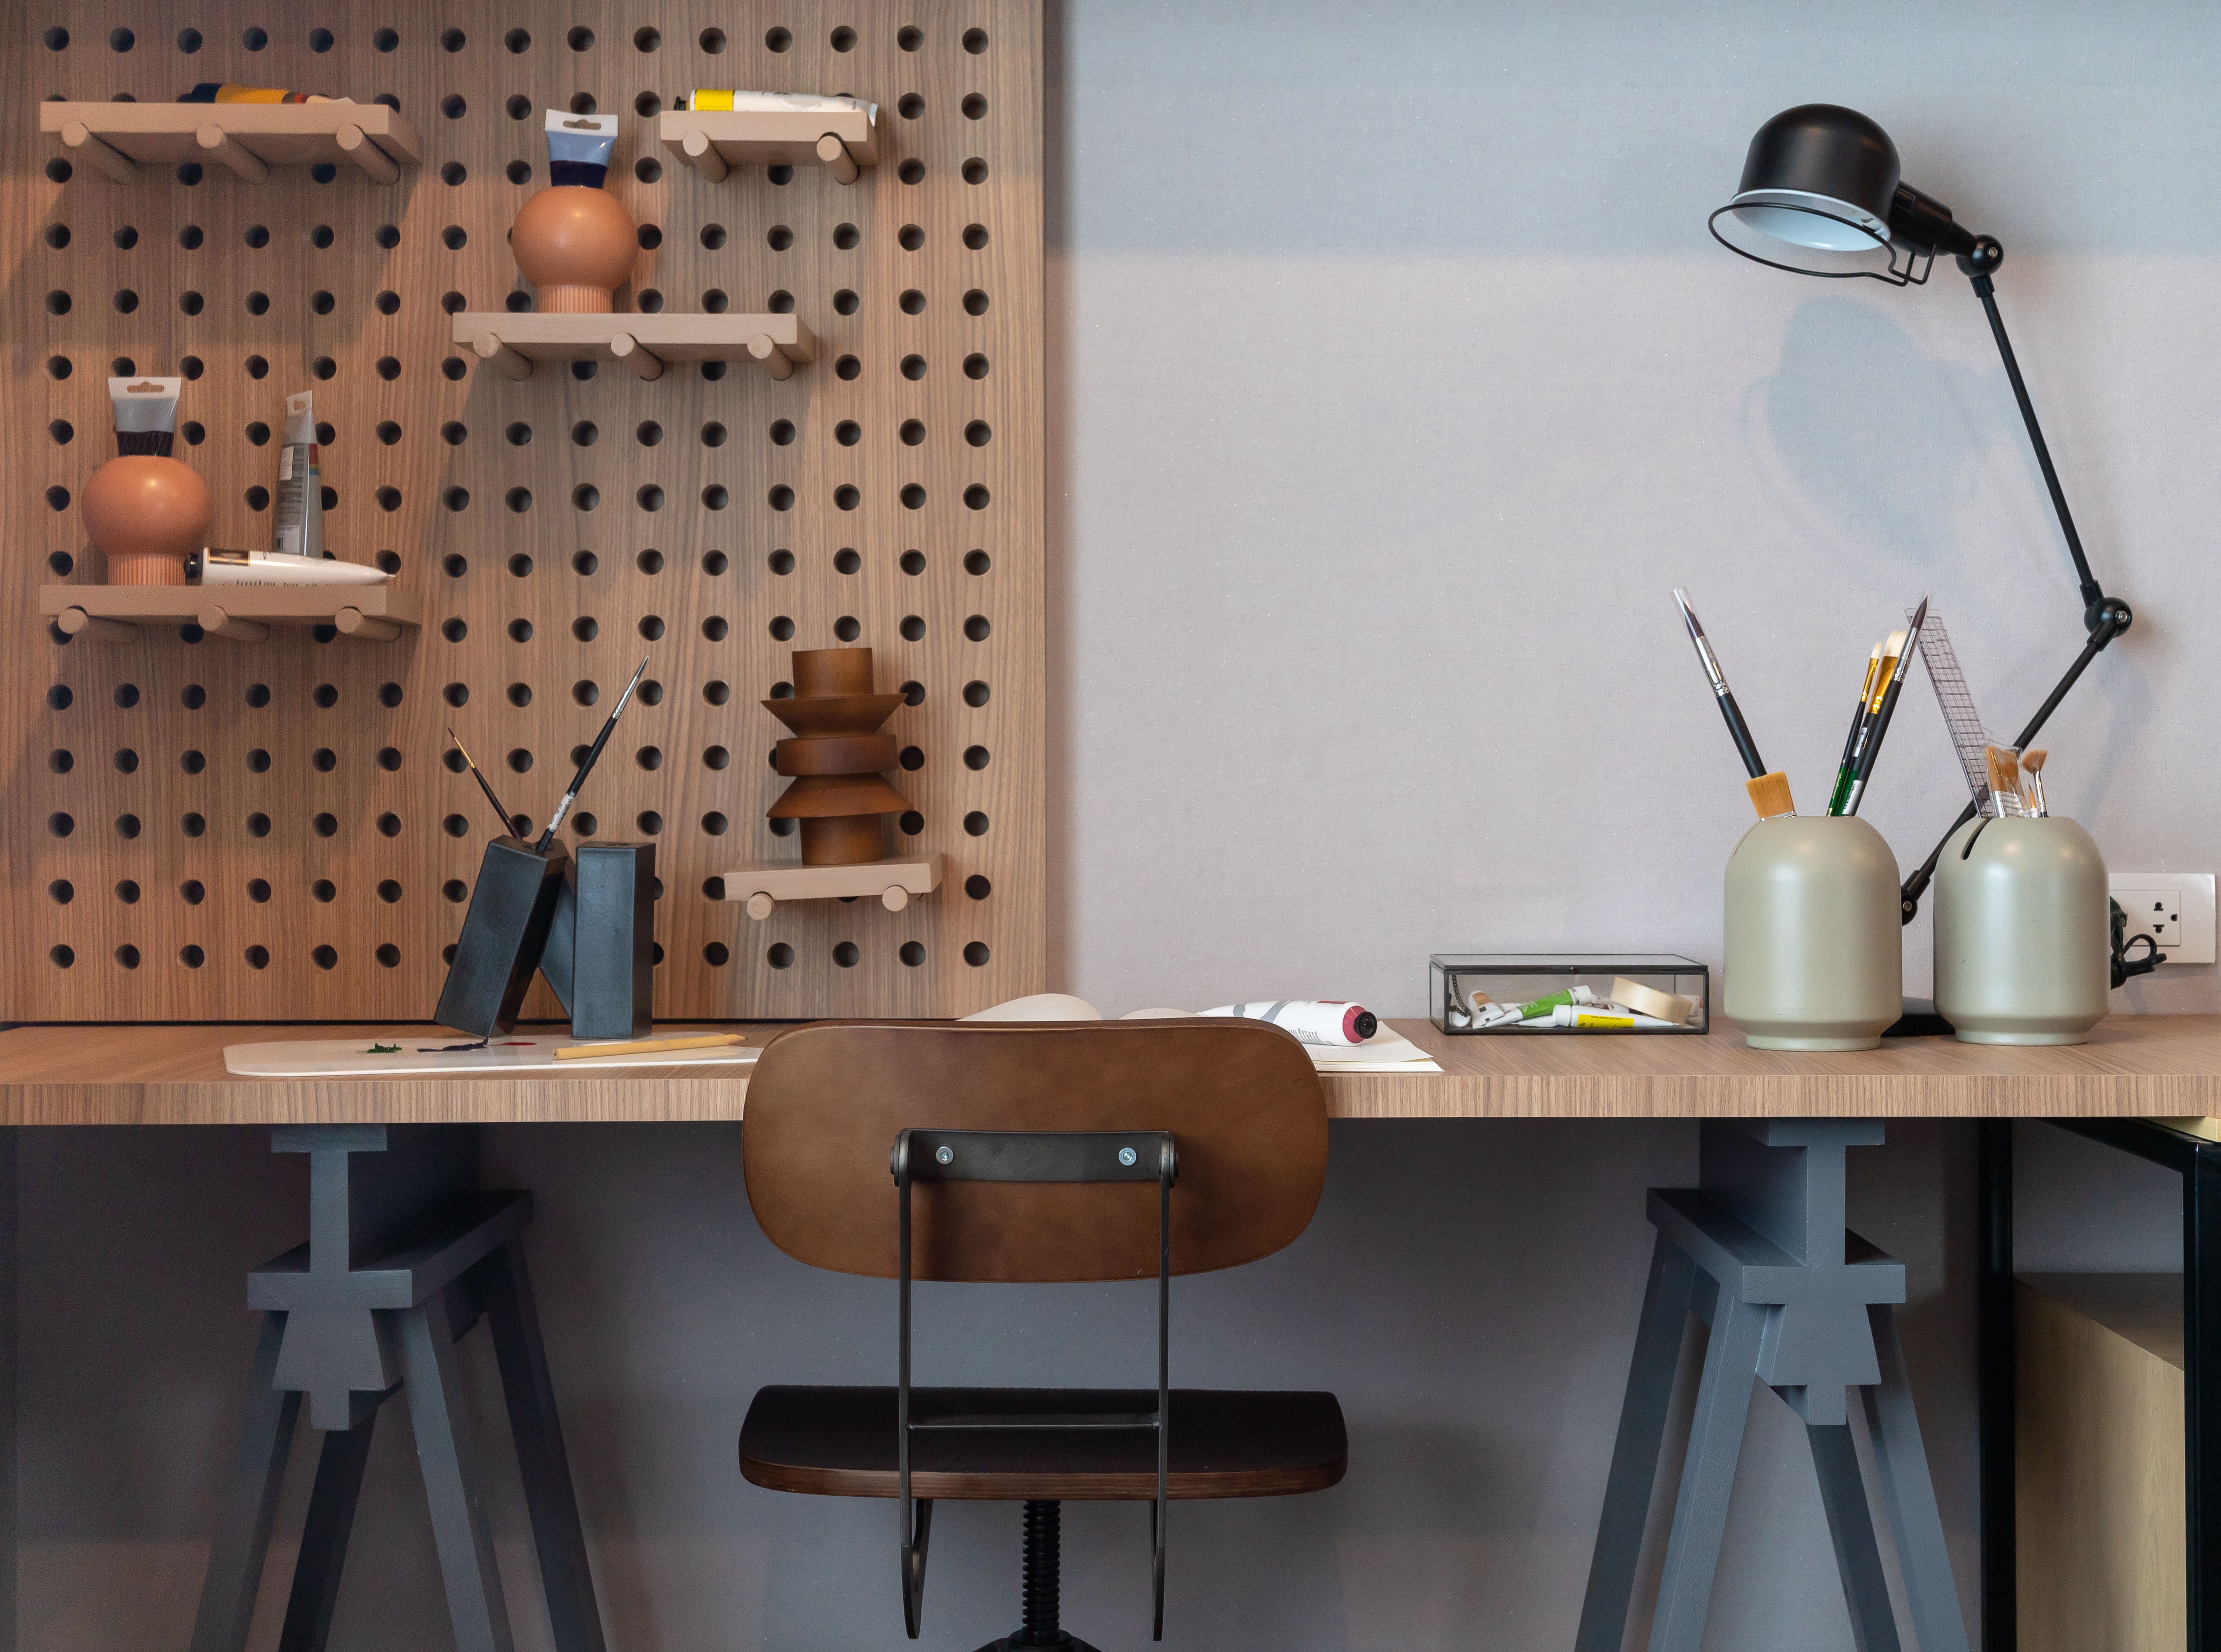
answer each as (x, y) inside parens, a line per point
(1312, 1020)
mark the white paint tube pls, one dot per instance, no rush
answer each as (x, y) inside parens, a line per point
(707, 99)
(300, 481)
(210, 566)
(145, 413)
(1312, 1021)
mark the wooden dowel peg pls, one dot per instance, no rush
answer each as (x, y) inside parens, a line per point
(633, 354)
(101, 156)
(702, 156)
(760, 906)
(356, 145)
(224, 148)
(75, 622)
(894, 897)
(353, 622)
(836, 159)
(509, 363)
(217, 622)
(774, 360)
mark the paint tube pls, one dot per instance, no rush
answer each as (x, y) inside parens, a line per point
(1577, 996)
(579, 148)
(227, 91)
(300, 481)
(145, 413)
(704, 99)
(210, 566)
(1328, 1021)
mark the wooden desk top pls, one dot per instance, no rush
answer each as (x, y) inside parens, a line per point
(2143, 1066)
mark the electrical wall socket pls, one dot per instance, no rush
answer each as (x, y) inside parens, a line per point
(2174, 909)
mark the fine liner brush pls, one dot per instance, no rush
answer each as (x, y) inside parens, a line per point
(1888, 708)
(1769, 792)
(484, 785)
(1886, 672)
(586, 764)
(1844, 768)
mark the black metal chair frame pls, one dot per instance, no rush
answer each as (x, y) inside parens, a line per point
(1042, 1156)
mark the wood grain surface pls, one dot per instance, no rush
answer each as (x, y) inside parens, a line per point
(2142, 1066)
(204, 829)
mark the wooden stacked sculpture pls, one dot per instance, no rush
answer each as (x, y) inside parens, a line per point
(836, 757)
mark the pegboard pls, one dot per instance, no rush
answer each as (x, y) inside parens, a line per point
(200, 830)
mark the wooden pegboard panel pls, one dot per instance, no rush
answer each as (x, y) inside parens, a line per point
(262, 831)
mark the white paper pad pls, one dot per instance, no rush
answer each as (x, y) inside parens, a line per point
(520, 1052)
(1385, 1052)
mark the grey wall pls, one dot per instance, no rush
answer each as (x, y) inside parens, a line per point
(1394, 383)
(1398, 381)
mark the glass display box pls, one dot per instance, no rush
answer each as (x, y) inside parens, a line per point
(1569, 993)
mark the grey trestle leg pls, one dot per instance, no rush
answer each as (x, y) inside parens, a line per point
(1760, 1253)
(404, 1256)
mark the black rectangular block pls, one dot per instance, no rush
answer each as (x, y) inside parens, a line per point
(600, 957)
(504, 933)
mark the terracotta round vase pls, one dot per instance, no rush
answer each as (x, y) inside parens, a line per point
(576, 245)
(146, 514)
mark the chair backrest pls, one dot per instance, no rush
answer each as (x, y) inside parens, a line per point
(827, 1100)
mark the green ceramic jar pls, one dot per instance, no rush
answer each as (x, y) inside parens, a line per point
(1814, 944)
(2022, 937)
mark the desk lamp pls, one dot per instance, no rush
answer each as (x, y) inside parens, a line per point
(1821, 197)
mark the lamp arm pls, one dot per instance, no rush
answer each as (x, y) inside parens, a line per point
(2093, 595)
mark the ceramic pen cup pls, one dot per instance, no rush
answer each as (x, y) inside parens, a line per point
(2023, 931)
(1815, 951)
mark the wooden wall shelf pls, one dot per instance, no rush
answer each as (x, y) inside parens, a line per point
(762, 884)
(511, 344)
(116, 139)
(114, 613)
(714, 141)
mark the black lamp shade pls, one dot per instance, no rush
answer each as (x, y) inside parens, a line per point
(1817, 190)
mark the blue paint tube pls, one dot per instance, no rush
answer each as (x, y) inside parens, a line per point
(578, 147)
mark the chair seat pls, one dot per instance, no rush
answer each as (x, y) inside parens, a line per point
(840, 1441)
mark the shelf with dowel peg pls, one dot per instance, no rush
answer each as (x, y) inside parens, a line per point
(244, 613)
(644, 345)
(714, 141)
(117, 140)
(760, 886)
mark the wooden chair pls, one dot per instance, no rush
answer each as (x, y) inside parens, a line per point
(1036, 1152)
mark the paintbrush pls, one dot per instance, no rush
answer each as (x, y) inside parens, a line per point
(1888, 706)
(1738, 731)
(1844, 768)
(1892, 659)
(484, 785)
(2031, 768)
(2004, 763)
(586, 764)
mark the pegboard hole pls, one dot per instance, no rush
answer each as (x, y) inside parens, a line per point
(649, 822)
(61, 891)
(520, 631)
(848, 368)
(913, 496)
(975, 107)
(845, 560)
(390, 696)
(258, 825)
(714, 562)
(778, 955)
(649, 496)
(580, 39)
(913, 563)
(847, 628)
(909, 823)
(324, 956)
(779, 238)
(384, 40)
(520, 695)
(713, 41)
(781, 498)
(325, 696)
(912, 303)
(977, 887)
(782, 628)
(975, 236)
(975, 694)
(913, 368)
(455, 564)
(127, 695)
(975, 41)
(453, 106)
(975, 366)
(127, 955)
(913, 694)
(320, 40)
(975, 171)
(258, 958)
(517, 40)
(61, 761)
(649, 562)
(326, 826)
(518, 172)
(519, 566)
(121, 39)
(518, 106)
(716, 693)
(60, 564)
(584, 628)
(780, 562)
(126, 761)
(454, 173)
(912, 171)
(518, 499)
(258, 761)
(455, 826)
(388, 955)
(586, 563)
(583, 823)
(647, 169)
(911, 758)
(847, 432)
(585, 496)
(454, 630)
(976, 497)
(520, 761)
(910, 106)
(456, 890)
(845, 302)
(128, 893)
(847, 496)
(910, 238)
